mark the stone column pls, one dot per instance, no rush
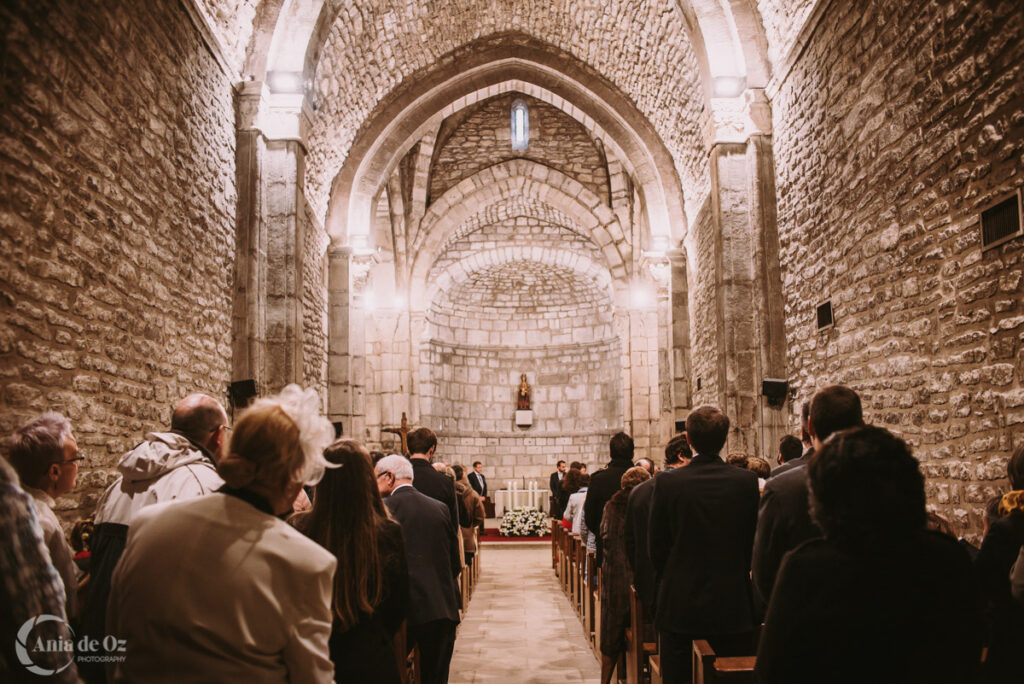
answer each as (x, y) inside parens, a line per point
(346, 346)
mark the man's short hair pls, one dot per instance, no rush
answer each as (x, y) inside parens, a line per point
(738, 459)
(421, 440)
(707, 428)
(560, 462)
(647, 464)
(459, 471)
(835, 408)
(790, 448)
(992, 508)
(677, 449)
(1015, 468)
(37, 445)
(196, 416)
(399, 466)
(621, 447)
(476, 463)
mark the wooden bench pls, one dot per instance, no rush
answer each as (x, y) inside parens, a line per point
(638, 650)
(708, 668)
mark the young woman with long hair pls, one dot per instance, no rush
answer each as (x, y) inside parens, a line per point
(371, 584)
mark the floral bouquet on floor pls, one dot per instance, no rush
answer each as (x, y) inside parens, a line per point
(524, 522)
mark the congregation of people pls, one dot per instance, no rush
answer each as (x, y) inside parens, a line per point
(828, 568)
(207, 561)
(267, 550)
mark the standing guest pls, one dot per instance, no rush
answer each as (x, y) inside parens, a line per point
(422, 449)
(616, 576)
(648, 465)
(790, 449)
(879, 598)
(477, 480)
(701, 531)
(605, 482)
(784, 518)
(555, 485)
(571, 485)
(806, 443)
(998, 551)
(738, 459)
(574, 507)
(45, 455)
(29, 587)
(218, 587)
(761, 468)
(474, 508)
(638, 513)
(434, 564)
(371, 584)
(174, 465)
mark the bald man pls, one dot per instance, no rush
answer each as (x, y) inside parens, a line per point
(179, 464)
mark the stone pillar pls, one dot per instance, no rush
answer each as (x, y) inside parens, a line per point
(748, 286)
(679, 341)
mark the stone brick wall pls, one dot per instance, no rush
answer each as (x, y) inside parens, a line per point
(116, 222)
(703, 319)
(314, 306)
(898, 124)
(782, 21)
(484, 137)
(231, 21)
(576, 399)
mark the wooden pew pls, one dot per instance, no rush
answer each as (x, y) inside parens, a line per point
(590, 596)
(638, 650)
(554, 545)
(574, 570)
(708, 668)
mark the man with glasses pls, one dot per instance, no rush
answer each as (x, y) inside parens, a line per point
(45, 455)
(179, 464)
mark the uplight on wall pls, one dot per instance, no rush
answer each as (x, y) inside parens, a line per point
(729, 86)
(642, 296)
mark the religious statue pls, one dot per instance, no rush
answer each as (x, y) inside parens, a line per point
(523, 399)
(402, 431)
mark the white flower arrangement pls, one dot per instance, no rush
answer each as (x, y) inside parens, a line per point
(524, 522)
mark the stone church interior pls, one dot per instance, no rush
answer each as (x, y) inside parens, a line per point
(635, 207)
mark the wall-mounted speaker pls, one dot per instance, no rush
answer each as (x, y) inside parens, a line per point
(775, 390)
(242, 392)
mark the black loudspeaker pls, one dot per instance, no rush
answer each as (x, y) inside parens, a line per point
(775, 391)
(242, 393)
(680, 426)
(338, 429)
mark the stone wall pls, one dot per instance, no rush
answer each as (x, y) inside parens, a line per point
(314, 306)
(483, 137)
(898, 124)
(116, 222)
(703, 319)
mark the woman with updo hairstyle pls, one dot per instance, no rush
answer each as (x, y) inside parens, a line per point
(371, 584)
(880, 598)
(219, 588)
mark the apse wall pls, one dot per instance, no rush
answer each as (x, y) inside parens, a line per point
(117, 227)
(517, 317)
(897, 125)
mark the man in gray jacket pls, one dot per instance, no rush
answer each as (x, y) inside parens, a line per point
(180, 464)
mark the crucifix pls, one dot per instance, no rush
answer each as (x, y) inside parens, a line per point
(402, 431)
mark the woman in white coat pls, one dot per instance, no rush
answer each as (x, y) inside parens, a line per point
(219, 588)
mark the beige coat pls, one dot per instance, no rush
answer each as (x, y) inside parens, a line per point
(214, 590)
(61, 554)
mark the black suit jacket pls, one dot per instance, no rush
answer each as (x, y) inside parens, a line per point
(478, 482)
(555, 484)
(434, 560)
(603, 484)
(700, 535)
(638, 515)
(783, 523)
(435, 485)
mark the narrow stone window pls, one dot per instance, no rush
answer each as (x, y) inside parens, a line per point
(520, 125)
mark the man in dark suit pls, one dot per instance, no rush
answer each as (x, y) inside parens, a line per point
(784, 518)
(605, 482)
(805, 439)
(422, 446)
(638, 513)
(555, 485)
(434, 564)
(700, 535)
(477, 480)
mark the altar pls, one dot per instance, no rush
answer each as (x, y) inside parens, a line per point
(515, 495)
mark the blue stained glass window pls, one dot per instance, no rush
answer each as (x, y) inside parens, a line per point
(520, 125)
